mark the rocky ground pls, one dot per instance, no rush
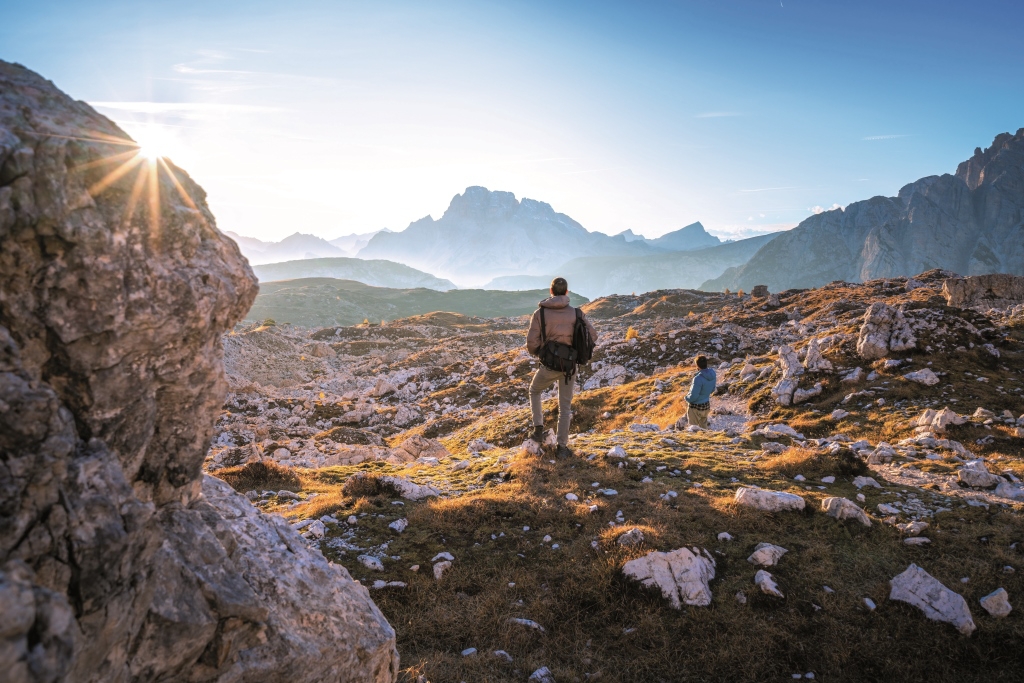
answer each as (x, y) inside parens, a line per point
(859, 484)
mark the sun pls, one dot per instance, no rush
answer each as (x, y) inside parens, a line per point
(155, 142)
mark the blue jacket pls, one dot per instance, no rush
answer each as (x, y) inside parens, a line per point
(702, 388)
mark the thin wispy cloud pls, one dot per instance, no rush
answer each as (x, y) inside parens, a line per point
(884, 137)
(716, 114)
(771, 189)
(180, 107)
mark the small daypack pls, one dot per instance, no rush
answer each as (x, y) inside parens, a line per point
(556, 355)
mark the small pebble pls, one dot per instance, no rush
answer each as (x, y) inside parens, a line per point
(870, 604)
(469, 651)
(547, 539)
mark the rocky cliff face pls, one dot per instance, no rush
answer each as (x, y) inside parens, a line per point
(970, 223)
(119, 561)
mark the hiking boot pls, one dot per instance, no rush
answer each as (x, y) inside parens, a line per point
(564, 452)
(537, 435)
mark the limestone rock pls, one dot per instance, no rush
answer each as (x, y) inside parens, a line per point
(984, 291)
(769, 501)
(884, 329)
(841, 508)
(631, 538)
(923, 376)
(416, 447)
(802, 395)
(766, 582)
(411, 490)
(440, 568)
(997, 603)
(608, 375)
(814, 361)
(682, 575)
(542, 675)
(932, 420)
(976, 475)
(917, 587)
(766, 554)
(861, 482)
(111, 378)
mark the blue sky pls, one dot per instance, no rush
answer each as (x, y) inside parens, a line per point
(335, 117)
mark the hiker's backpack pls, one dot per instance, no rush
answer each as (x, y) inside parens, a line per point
(563, 357)
(582, 342)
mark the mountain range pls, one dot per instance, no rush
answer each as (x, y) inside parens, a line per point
(485, 234)
(970, 222)
(597, 276)
(299, 246)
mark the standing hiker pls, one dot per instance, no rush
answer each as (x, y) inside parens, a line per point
(562, 338)
(698, 401)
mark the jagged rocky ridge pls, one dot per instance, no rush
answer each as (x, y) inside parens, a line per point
(119, 559)
(970, 223)
(485, 234)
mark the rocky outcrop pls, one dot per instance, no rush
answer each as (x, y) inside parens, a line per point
(884, 329)
(984, 291)
(118, 561)
(682, 575)
(969, 223)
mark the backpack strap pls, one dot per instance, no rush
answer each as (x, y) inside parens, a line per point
(543, 332)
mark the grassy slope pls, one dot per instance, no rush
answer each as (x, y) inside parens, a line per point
(598, 624)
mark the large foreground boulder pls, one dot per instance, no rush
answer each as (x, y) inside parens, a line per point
(118, 560)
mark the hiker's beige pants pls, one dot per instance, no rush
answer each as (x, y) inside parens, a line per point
(697, 417)
(542, 380)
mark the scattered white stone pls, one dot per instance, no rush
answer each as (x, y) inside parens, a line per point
(529, 623)
(766, 554)
(802, 395)
(976, 475)
(828, 480)
(443, 556)
(440, 568)
(916, 540)
(861, 482)
(799, 477)
(501, 654)
(855, 375)
(410, 490)
(461, 465)
(769, 501)
(841, 508)
(351, 521)
(741, 597)
(870, 604)
(682, 575)
(616, 452)
(917, 587)
(399, 525)
(887, 509)
(571, 497)
(631, 538)
(469, 651)
(912, 528)
(371, 563)
(542, 675)
(608, 492)
(772, 447)
(725, 536)
(923, 376)
(839, 414)
(766, 582)
(997, 603)
(861, 498)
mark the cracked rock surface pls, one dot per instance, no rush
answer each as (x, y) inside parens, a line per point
(119, 561)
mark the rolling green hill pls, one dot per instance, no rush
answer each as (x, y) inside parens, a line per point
(319, 302)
